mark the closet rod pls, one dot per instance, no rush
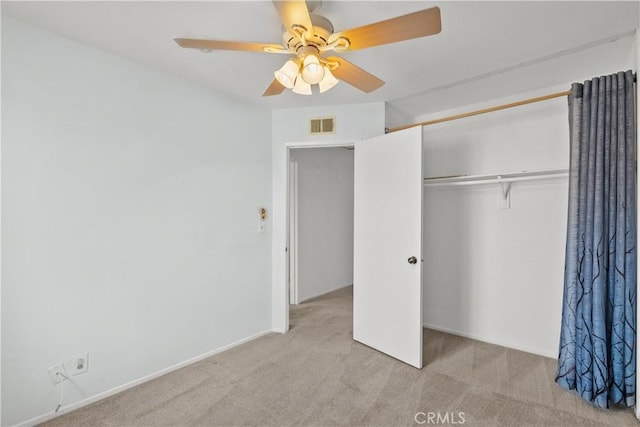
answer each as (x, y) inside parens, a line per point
(495, 179)
(485, 110)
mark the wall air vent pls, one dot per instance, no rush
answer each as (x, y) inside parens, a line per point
(322, 125)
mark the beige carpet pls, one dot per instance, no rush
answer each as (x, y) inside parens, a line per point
(317, 375)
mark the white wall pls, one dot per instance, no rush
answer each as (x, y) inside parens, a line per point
(291, 126)
(395, 117)
(130, 210)
(325, 220)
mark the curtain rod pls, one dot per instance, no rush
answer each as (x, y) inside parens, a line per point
(487, 110)
(484, 110)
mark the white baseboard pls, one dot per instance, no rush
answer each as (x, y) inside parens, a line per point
(490, 341)
(323, 293)
(131, 384)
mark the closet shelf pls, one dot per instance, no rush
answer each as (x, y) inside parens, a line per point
(495, 178)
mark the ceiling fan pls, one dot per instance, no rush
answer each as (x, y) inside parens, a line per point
(309, 37)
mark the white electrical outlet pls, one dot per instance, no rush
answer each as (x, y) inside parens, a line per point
(57, 373)
(79, 364)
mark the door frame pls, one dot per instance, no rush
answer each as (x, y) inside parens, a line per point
(280, 238)
(292, 240)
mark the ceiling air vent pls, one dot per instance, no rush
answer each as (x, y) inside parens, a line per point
(322, 125)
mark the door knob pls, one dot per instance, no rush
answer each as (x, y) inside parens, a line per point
(412, 260)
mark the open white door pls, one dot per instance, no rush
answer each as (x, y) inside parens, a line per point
(387, 267)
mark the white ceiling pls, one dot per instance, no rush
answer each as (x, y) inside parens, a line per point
(478, 38)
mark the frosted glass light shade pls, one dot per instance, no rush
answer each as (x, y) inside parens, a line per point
(312, 70)
(287, 74)
(301, 87)
(328, 81)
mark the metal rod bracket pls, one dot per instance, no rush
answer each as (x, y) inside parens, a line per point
(505, 199)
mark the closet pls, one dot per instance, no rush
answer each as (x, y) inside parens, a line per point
(490, 230)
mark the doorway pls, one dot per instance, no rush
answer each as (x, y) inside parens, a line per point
(387, 294)
(320, 221)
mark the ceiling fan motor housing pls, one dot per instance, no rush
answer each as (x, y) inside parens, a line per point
(322, 29)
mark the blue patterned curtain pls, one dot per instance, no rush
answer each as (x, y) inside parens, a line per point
(598, 336)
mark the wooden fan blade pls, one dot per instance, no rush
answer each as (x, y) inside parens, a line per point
(275, 88)
(294, 13)
(224, 45)
(417, 24)
(355, 75)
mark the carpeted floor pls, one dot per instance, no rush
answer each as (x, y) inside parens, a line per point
(317, 375)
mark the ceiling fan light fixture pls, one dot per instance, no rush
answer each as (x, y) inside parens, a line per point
(328, 81)
(287, 75)
(309, 36)
(301, 87)
(312, 71)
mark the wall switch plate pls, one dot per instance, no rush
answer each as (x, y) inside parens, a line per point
(79, 364)
(57, 373)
